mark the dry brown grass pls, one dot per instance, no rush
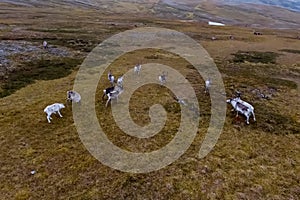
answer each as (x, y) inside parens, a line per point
(256, 161)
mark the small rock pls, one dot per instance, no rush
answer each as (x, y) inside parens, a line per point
(33, 172)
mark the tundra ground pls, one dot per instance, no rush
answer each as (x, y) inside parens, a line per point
(256, 161)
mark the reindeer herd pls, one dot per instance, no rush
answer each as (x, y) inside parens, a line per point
(116, 89)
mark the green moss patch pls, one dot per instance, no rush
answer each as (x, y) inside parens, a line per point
(255, 57)
(43, 69)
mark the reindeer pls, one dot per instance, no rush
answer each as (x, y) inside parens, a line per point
(180, 101)
(114, 94)
(45, 44)
(257, 33)
(107, 91)
(111, 78)
(54, 108)
(73, 96)
(137, 68)
(242, 107)
(162, 78)
(207, 85)
(120, 81)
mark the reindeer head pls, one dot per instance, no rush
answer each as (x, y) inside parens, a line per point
(238, 94)
(69, 94)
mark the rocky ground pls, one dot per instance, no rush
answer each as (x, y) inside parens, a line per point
(12, 51)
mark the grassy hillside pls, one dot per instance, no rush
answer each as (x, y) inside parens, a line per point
(256, 161)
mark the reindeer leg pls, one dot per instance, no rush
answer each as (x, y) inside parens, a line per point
(107, 102)
(253, 116)
(206, 90)
(103, 95)
(48, 118)
(247, 121)
(235, 108)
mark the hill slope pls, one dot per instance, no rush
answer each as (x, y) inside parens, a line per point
(253, 13)
(293, 5)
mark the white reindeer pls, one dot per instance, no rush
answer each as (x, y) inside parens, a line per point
(207, 85)
(120, 81)
(242, 107)
(45, 44)
(54, 108)
(180, 101)
(114, 94)
(162, 78)
(73, 96)
(111, 78)
(137, 69)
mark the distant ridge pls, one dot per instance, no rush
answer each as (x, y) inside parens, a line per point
(293, 5)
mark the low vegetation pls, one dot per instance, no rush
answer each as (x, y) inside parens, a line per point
(255, 57)
(295, 51)
(43, 69)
